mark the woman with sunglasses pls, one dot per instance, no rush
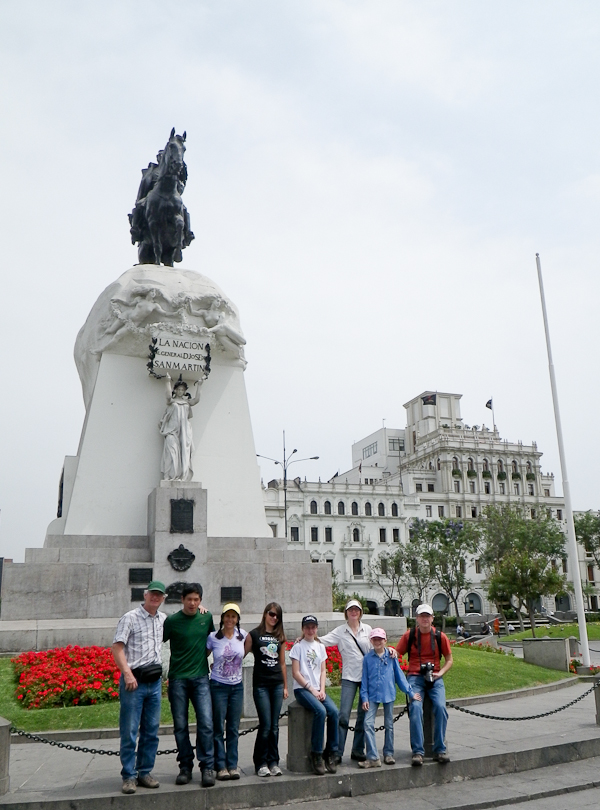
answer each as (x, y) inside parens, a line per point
(269, 687)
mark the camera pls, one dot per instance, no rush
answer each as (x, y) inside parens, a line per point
(427, 673)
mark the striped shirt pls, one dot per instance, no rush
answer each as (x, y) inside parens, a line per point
(141, 633)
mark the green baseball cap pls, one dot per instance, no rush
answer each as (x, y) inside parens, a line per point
(155, 585)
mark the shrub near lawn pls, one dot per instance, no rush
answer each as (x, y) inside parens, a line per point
(68, 676)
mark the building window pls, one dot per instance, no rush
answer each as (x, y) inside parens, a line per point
(384, 567)
(486, 465)
(590, 572)
(382, 536)
(440, 511)
(314, 534)
(502, 489)
(455, 463)
(530, 489)
(273, 529)
(428, 510)
(500, 465)
(394, 510)
(439, 464)
(459, 511)
(559, 514)
(396, 535)
(341, 508)
(457, 486)
(529, 467)
(354, 508)
(517, 489)
(370, 450)
(381, 510)
(533, 514)
(328, 534)
(356, 535)
(515, 469)
(478, 566)
(546, 493)
(419, 487)
(471, 486)
(486, 487)
(294, 534)
(327, 507)
(473, 511)
(430, 488)
(463, 567)
(564, 565)
(313, 507)
(357, 568)
(395, 444)
(368, 509)
(470, 465)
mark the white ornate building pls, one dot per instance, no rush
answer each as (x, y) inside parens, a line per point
(436, 467)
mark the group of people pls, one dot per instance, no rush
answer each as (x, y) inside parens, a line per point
(369, 667)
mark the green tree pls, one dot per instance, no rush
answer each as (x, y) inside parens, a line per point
(587, 530)
(520, 556)
(339, 596)
(386, 572)
(418, 574)
(450, 546)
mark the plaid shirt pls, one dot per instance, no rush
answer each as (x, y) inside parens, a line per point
(141, 633)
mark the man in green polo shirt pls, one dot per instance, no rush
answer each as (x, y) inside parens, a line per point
(187, 632)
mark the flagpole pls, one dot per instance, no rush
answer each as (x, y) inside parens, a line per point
(572, 541)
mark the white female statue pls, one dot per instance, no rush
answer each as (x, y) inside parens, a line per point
(176, 464)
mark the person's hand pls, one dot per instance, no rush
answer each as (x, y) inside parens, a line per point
(168, 376)
(321, 695)
(130, 682)
(393, 652)
(285, 694)
(365, 706)
(202, 609)
(417, 696)
(435, 675)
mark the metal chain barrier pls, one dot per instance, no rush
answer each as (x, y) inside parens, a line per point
(529, 717)
(382, 728)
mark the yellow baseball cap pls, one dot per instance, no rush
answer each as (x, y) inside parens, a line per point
(231, 606)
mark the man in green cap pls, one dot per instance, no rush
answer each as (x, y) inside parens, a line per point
(137, 649)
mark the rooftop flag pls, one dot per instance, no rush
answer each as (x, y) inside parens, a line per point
(489, 405)
(430, 399)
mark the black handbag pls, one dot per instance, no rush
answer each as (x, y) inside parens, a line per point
(148, 673)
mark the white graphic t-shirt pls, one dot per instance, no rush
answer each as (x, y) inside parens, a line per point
(228, 654)
(310, 655)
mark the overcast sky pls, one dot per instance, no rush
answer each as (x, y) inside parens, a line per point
(369, 182)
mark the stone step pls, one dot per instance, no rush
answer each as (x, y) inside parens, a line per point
(95, 540)
(90, 556)
(217, 554)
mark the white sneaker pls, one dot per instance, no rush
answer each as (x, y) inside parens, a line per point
(263, 771)
(275, 770)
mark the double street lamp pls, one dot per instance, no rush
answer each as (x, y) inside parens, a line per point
(285, 464)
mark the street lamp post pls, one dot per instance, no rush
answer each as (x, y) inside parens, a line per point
(285, 464)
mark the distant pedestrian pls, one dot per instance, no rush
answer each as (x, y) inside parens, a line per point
(381, 673)
(227, 690)
(137, 648)
(269, 687)
(308, 670)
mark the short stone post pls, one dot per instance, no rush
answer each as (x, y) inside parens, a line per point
(4, 754)
(427, 725)
(597, 699)
(299, 735)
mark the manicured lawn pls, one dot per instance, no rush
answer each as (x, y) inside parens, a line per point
(557, 631)
(473, 673)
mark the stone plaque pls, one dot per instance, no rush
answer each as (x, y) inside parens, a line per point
(140, 576)
(181, 558)
(174, 591)
(231, 594)
(182, 516)
(137, 594)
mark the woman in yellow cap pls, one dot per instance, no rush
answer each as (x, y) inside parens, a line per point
(226, 689)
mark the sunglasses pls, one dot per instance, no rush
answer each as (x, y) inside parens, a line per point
(272, 614)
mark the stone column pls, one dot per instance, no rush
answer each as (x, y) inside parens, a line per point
(4, 755)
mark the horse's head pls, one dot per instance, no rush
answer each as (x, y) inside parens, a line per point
(171, 161)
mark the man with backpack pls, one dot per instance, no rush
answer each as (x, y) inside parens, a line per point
(426, 647)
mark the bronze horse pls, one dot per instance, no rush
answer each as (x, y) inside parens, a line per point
(160, 222)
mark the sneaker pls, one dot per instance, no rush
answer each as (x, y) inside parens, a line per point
(357, 757)
(208, 777)
(317, 763)
(417, 759)
(388, 760)
(329, 761)
(223, 775)
(370, 763)
(275, 770)
(183, 777)
(442, 757)
(148, 781)
(263, 771)
(129, 786)
(234, 773)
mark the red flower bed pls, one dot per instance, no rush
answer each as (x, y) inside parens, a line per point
(68, 676)
(333, 664)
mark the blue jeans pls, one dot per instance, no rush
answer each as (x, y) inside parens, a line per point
(139, 712)
(388, 722)
(349, 690)
(437, 695)
(181, 692)
(227, 705)
(322, 710)
(268, 700)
